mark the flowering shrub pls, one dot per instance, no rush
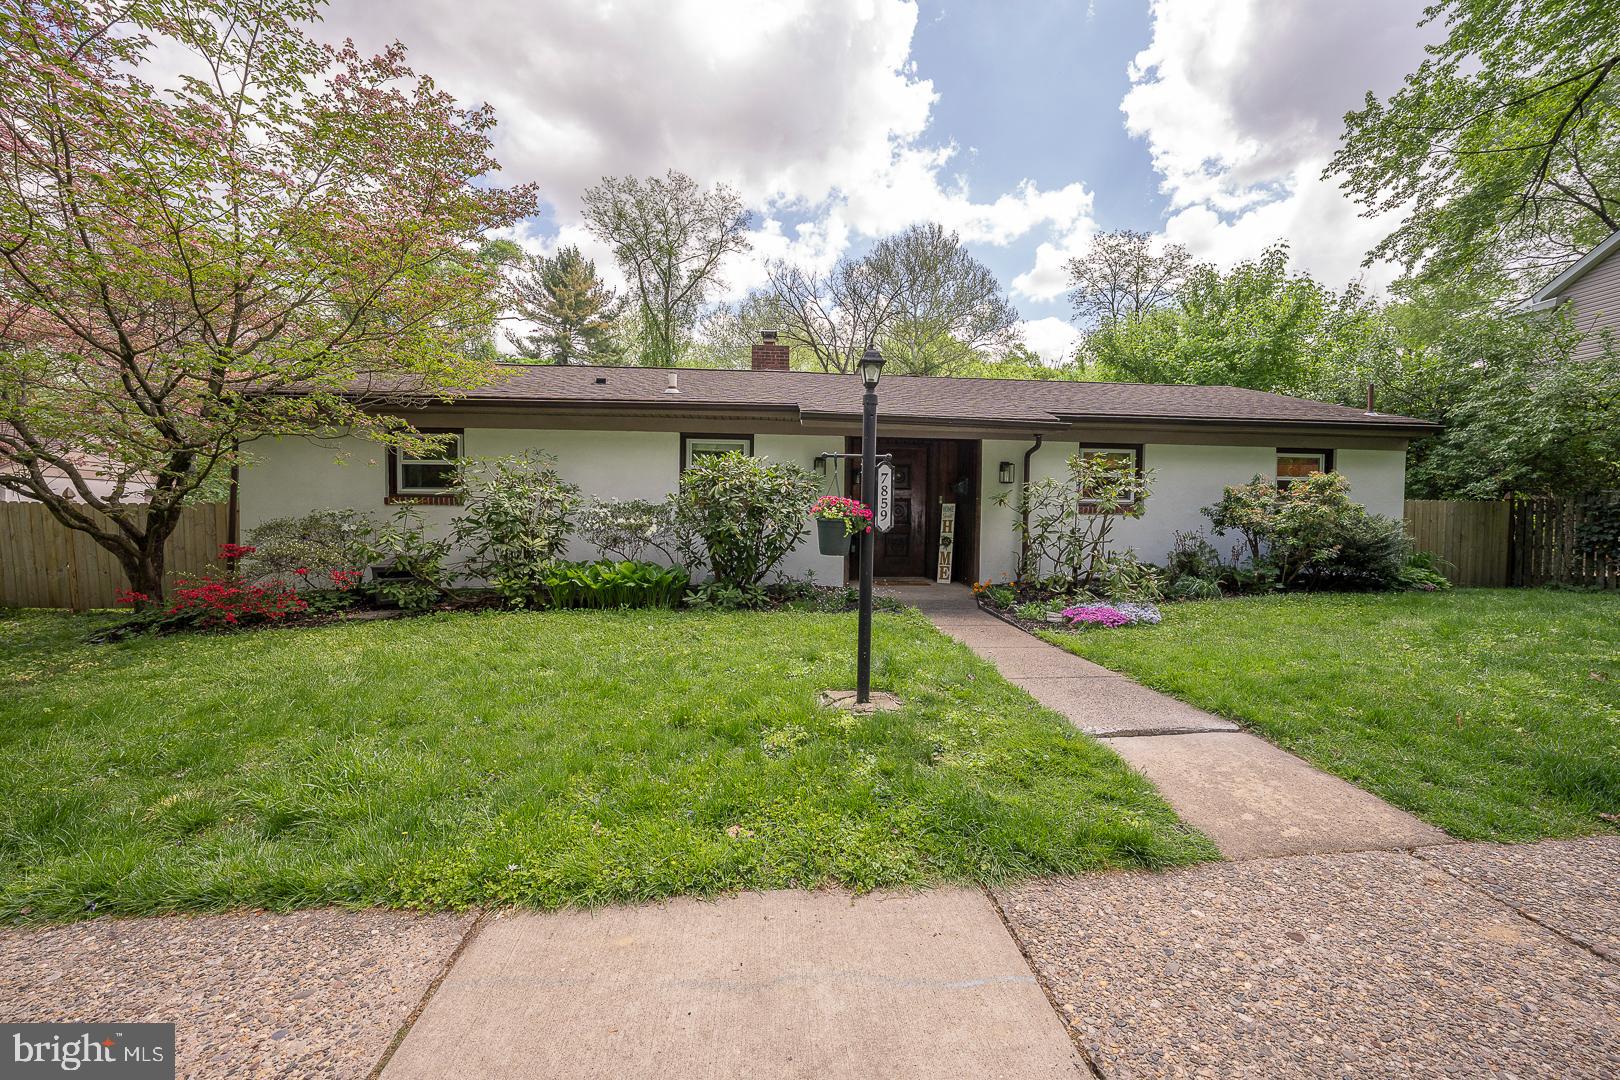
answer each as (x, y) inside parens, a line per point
(131, 597)
(211, 602)
(1139, 613)
(629, 528)
(232, 552)
(302, 551)
(1096, 615)
(856, 515)
(1112, 615)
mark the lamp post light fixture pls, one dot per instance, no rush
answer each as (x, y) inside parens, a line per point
(871, 371)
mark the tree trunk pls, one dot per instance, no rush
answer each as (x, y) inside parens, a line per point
(144, 568)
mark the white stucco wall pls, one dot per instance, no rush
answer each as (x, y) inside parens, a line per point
(293, 476)
(1186, 478)
(289, 477)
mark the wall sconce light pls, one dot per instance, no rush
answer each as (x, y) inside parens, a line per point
(1005, 473)
(820, 465)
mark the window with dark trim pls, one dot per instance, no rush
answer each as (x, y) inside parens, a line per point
(1296, 464)
(1124, 462)
(428, 476)
(700, 446)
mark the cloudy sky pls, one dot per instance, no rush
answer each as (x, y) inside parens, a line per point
(1025, 125)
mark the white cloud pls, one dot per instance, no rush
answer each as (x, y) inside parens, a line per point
(1053, 339)
(810, 108)
(1241, 103)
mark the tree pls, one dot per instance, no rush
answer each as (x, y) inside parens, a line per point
(727, 333)
(1119, 276)
(1502, 151)
(272, 247)
(1256, 326)
(670, 237)
(946, 307)
(836, 316)
(573, 310)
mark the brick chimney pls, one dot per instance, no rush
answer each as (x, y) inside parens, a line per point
(767, 354)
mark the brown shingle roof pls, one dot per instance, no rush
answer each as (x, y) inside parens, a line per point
(1015, 402)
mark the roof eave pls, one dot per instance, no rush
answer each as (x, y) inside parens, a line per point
(1582, 266)
(1385, 425)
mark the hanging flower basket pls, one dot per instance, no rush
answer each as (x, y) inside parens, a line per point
(837, 520)
(834, 540)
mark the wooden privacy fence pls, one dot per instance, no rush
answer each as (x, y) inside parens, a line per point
(1526, 540)
(1472, 538)
(1570, 541)
(43, 564)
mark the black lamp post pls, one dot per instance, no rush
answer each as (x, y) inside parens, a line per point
(871, 371)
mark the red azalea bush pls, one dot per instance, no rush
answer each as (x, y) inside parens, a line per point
(212, 602)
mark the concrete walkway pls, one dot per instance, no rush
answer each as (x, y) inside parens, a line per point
(1253, 799)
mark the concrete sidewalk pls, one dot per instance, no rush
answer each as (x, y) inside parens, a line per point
(1464, 960)
(1373, 964)
(1253, 799)
(779, 984)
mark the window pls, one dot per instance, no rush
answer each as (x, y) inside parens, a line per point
(430, 473)
(694, 447)
(1118, 464)
(1298, 464)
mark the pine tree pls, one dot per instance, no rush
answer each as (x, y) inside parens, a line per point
(573, 310)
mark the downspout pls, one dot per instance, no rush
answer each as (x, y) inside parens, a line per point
(1023, 510)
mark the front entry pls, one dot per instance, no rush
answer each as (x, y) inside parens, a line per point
(926, 471)
(903, 550)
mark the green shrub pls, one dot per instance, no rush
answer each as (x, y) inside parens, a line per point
(318, 543)
(517, 513)
(739, 516)
(1421, 572)
(1065, 523)
(1193, 588)
(719, 596)
(410, 571)
(1032, 611)
(1124, 577)
(1309, 532)
(1192, 556)
(609, 584)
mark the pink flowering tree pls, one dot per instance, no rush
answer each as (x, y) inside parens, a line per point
(279, 239)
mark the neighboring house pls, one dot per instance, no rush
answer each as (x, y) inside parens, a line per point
(627, 433)
(1591, 288)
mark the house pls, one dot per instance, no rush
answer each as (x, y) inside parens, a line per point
(627, 433)
(1591, 290)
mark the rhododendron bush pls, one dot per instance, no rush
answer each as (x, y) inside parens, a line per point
(185, 268)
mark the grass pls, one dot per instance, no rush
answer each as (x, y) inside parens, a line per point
(532, 759)
(1492, 713)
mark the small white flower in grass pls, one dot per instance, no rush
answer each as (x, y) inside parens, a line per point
(511, 866)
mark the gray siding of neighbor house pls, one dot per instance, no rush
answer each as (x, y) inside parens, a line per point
(1595, 300)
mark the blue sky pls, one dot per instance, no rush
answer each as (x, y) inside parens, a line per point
(1024, 126)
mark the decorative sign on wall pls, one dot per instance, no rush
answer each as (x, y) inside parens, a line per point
(883, 509)
(947, 540)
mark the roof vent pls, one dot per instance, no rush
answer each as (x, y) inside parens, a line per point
(674, 386)
(601, 380)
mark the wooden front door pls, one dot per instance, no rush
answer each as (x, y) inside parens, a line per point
(903, 550)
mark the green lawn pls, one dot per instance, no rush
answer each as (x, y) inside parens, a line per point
(533, 759)
(1493, 713)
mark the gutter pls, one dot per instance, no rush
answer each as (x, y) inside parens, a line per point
(1023, 509)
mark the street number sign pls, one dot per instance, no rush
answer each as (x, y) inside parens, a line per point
(883, 511)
